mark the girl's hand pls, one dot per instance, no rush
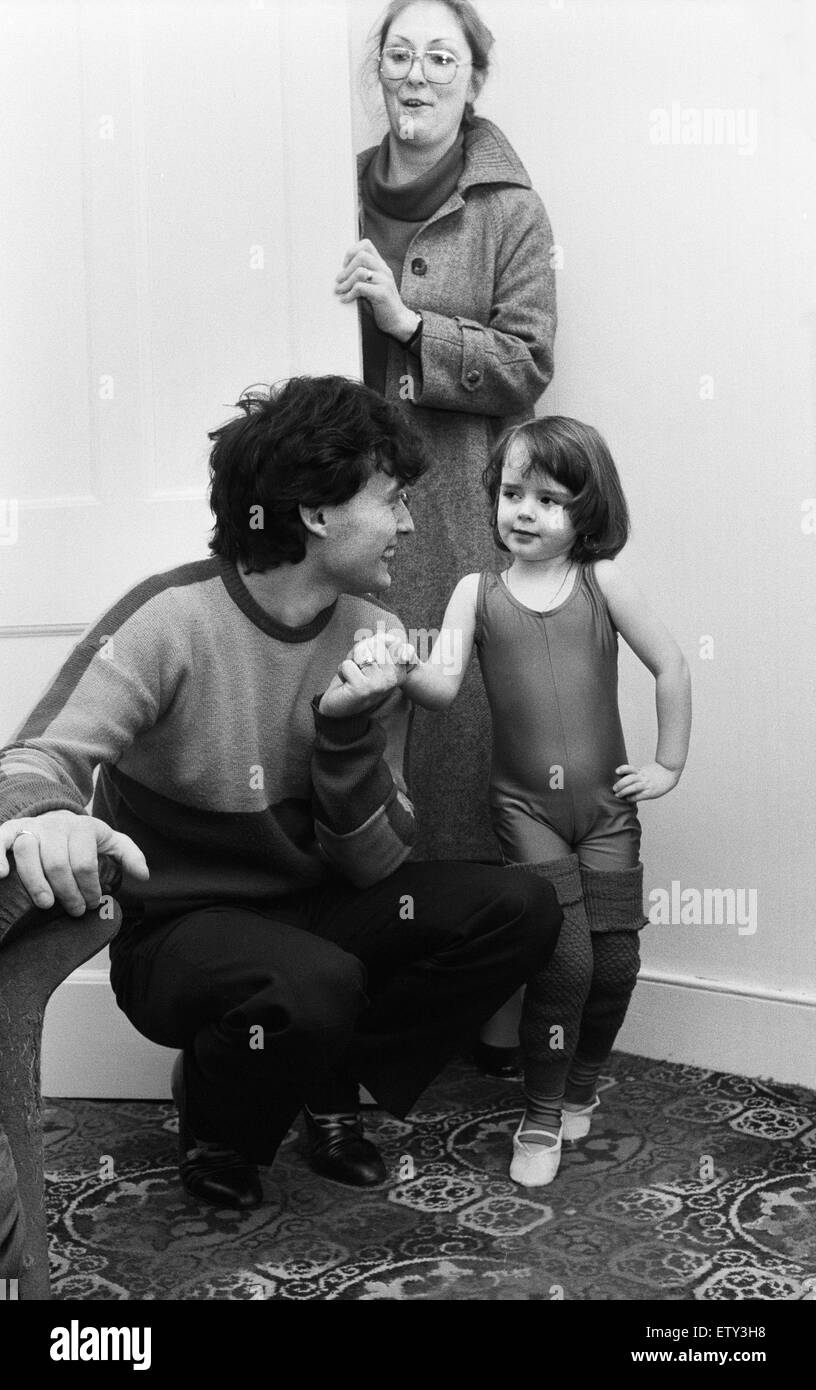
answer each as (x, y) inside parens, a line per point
(644, 783)
(385, 648)
(403, 654)
(374, 667)
(365, 275)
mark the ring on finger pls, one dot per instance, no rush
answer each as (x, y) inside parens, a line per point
(369, 275)
(24, 832)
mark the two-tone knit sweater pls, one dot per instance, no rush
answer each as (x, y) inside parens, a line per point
(197, 708)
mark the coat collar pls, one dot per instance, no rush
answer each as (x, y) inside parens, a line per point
(489, 157)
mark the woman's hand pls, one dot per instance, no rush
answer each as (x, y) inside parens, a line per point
(365, 275)
(644, 783)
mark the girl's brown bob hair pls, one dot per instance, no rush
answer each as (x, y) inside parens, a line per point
(576, 456)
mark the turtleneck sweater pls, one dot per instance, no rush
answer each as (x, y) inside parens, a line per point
(393, 213)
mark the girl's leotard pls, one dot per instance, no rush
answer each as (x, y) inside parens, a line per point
(552, 682)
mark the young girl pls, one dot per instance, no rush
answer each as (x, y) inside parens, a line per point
(562, 794)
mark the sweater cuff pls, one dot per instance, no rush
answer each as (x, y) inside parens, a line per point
(346, 730)
(33, 796)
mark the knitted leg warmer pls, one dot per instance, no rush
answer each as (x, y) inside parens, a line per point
(554, 999)
(614, 905)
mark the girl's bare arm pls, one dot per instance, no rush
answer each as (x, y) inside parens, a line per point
(435, 683)
(651, 641)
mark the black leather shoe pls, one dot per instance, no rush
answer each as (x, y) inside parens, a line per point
(338, 1149)
(209, 1171)
(504, 1062)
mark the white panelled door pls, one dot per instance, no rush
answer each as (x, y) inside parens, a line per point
(183, 192)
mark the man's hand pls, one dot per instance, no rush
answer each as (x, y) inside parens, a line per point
(57, 857)
(373, 668)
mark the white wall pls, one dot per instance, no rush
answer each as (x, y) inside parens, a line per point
(161, 250)
(679, 262)
(683, 262)
(174, 201)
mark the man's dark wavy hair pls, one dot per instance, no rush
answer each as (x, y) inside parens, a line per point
(578, 457)
(311, 441)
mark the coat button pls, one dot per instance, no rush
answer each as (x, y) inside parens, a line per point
(419, 266)
(473, 378)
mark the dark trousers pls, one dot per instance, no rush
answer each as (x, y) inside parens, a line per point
(379, 984)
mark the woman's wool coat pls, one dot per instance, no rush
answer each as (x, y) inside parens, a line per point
(480, 271)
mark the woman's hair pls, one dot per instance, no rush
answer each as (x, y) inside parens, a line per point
(307, 441)
(480, 40)
(577, 457)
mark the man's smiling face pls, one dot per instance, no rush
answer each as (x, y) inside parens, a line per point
(362, 535)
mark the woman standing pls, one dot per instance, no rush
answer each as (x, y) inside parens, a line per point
(458, 311)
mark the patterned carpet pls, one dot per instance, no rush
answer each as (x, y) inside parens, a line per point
(693, 1185)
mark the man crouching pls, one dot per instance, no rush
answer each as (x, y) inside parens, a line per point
(259, 774)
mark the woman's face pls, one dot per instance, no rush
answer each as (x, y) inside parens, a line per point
(427, 113)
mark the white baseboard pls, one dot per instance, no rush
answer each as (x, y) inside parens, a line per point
(90, 1049)
(723, 1027)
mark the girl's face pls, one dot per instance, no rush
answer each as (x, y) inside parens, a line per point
(532, 515)
(427, 114)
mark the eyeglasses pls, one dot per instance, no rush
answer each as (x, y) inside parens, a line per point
(438, 65)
